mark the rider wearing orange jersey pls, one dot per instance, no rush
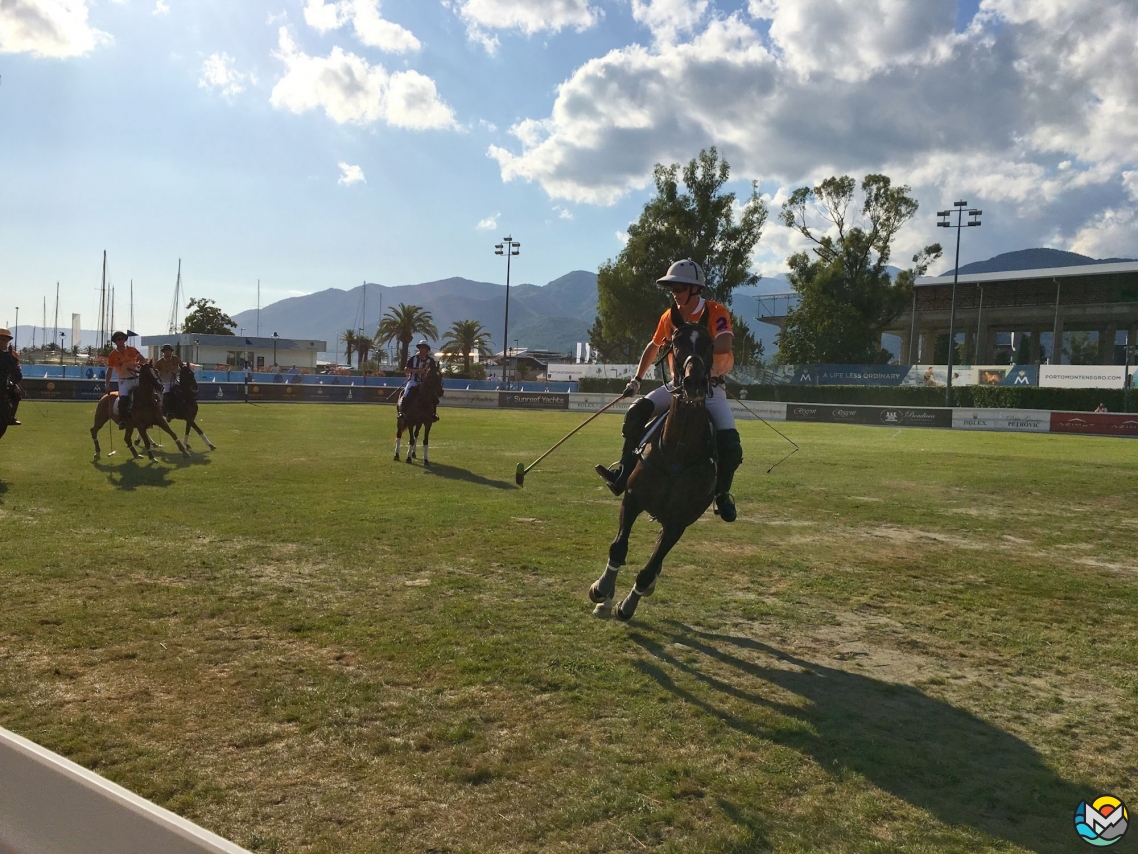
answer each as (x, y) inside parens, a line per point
(686, 281)
(123, 363)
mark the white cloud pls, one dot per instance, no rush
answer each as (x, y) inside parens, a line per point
(54, 28)
(490, 223)
(1031, 110)
(528, 16)
(161, 8)
(562, 213)
(370, 26)
(668, 19)
(218, 73)
(350, 90)
(350, 174)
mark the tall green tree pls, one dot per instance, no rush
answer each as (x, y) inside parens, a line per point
(464, 338)
(747, 348)
(689, 217)
(402, 323)
(848, 296)
(364, 346)
(205, 318)
(348, 338)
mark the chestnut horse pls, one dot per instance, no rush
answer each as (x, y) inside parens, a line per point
(674, 481)
(145, 412)
(183, 404)
(419, 411)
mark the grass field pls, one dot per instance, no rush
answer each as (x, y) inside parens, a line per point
(911, 640)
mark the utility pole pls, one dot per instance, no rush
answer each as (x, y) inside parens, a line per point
(508, 247)
(974, 219)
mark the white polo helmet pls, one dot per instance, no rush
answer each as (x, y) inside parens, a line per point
(422, 343)
(685, 272)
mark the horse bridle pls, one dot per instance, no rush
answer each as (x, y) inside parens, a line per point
(678, 376)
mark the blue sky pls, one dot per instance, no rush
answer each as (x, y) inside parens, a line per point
(311, 144)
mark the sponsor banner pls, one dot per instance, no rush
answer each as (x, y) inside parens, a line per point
(1082, 376)
(769, 410)
(851, 374)
(907, 416)
(890, 416)
(1002, 420)
(827, 413)
(43, 389)
(1098, 423)
(1021, 375)
(592, 402)
(533, 400)
(929, 376)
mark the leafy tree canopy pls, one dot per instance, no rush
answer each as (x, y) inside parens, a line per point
(689, 217)
(401, 324)
(847, 294)
(205, 318)
(463, 339)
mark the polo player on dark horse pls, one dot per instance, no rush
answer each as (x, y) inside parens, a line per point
(418, 402)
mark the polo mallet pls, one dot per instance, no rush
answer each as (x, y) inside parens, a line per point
(756, 415)
(523, 470)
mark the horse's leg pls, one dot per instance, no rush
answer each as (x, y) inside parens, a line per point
(426, 442)
(128, 438)
(412, 436)
(400, 425)
(101, 418)
(186, 437)
(205, 438)
(148, 443)
(646, 578)
(165, 425)
(604, 588)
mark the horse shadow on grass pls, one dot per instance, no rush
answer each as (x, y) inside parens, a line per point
(928, 753)
(132, 474)
(456, 473)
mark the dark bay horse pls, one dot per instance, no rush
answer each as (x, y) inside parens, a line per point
(182, 403)
(674, 480)
(145, 412)
(418, 411)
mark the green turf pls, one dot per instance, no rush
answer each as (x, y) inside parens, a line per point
(911, 640)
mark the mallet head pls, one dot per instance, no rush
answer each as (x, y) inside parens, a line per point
(520, 475)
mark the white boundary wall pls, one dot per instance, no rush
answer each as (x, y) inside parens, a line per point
(50, 805)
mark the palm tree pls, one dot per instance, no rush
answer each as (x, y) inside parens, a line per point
(349, 339)
(363, 347)
(464, 338)
(403, 323)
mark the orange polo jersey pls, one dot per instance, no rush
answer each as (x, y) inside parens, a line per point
(720, 325)
(124, 363)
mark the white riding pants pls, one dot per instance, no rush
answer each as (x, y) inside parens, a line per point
(125, 388)
(717, 406)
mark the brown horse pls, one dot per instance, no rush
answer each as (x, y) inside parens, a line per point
(419, 411)
(145, 412)
(674, 481)
(182, 403)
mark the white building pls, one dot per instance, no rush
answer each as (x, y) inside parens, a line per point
(235, 351)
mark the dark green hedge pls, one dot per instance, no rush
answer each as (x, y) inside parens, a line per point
(985, 397)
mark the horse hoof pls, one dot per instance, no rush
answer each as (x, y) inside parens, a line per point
(396, 458)
(427, 462)
(603, 609)
(212, 447)
(627, 608)
(408, 460)
(597, 597)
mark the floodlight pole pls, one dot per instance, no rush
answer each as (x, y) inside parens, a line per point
(958, 209)
(275, 336)
(508, 247)
(16, 329)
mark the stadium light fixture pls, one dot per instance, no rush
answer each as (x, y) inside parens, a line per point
(945, 221)
(275, 337)
(509, 248)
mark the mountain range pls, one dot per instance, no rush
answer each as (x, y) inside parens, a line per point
(553, 317)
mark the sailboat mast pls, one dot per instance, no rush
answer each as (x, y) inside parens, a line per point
(103, 305)
(131, 327)
(258, 308)
(56, 338)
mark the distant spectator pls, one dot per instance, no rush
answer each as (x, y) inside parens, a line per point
(1101, 408)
